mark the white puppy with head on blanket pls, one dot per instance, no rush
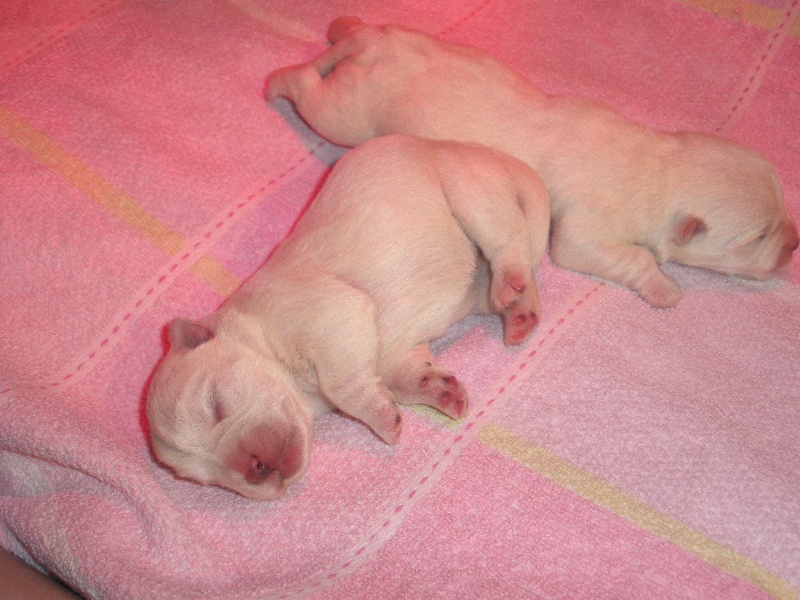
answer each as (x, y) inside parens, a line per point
(624, 198)
(405, 237)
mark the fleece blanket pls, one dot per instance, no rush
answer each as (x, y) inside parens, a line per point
(623, 452)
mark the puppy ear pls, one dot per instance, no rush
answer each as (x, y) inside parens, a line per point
(687, 228)
(185, 335)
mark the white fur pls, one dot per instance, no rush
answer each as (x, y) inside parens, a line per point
(624, 198)
(405, 237)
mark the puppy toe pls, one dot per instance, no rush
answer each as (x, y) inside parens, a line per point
(665, 294)
(389, 424)
(508, 289)
(518, 325)
(521, 317)
(449, 396)
(439, 389)
(423, 382)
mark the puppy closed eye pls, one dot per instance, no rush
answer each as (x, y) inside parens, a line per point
(215, 406)
(757, 240)
(763, 236)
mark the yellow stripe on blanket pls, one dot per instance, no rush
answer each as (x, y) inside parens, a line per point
(624, 505)
(745, 12)
(110, 199)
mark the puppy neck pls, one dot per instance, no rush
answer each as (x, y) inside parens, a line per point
(233, 323)
(684, 190)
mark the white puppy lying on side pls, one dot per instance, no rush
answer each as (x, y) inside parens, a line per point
(624, 198)
(406, 237)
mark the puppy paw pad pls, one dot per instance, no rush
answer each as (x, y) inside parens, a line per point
(451, 398)
(666, 295)
(510, 290)
(519, 325)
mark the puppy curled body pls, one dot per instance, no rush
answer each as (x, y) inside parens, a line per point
(405, 237)
(624, 198)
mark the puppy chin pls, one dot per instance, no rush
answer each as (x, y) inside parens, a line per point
(271, 488)
(766, 275)
(776, 268)
(754, 274)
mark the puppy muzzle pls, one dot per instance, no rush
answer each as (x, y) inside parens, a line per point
(268, 459)
(273, 460)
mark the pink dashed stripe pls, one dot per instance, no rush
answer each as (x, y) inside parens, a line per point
(57, 33)
(193, 251)
(759, 68)
(433, 470)
(465, 18)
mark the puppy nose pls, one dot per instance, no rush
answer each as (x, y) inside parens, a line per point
(258, 470)
(792, 243)
(274, 458)
(794, 240)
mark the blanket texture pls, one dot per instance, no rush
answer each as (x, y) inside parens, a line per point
(623, 452)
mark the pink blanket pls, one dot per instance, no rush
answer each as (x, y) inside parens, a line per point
(624, 452)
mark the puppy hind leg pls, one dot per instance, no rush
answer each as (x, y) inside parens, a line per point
(535, 204)
(484, 199)
(419, 380)
(514, 296)
(522, 316)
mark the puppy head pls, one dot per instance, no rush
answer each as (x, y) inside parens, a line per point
(221, 413)
(728, 213)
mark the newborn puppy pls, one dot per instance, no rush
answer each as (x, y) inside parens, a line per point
(405, 237)
(624, 198)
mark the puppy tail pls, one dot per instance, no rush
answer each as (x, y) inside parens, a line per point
(342, 27)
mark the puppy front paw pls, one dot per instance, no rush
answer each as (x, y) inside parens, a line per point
(518, 323)
(662, 292)
(388, 423)
(443, 391)
(419, 381)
